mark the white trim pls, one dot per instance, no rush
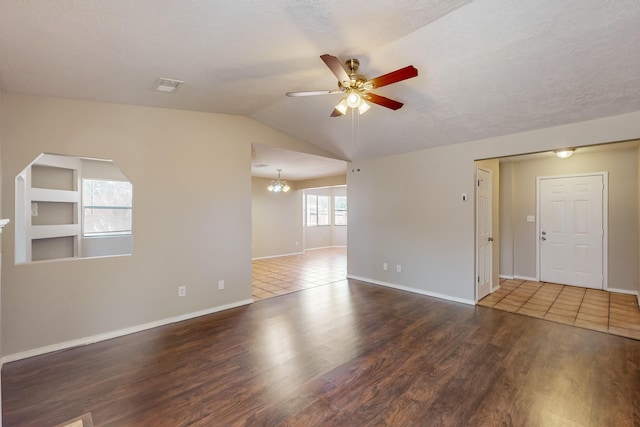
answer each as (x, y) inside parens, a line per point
(495, 289)
(506, 276)
(121, 332)
(605, 221)
(477, 243)
(413, 290)
(623, 291)
(298, 253)
(531, 279)
(276, 256)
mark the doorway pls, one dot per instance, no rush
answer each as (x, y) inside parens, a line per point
(572, 229)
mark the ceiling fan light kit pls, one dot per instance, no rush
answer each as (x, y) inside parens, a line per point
(356, 88)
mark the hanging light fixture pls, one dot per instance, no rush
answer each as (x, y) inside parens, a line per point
(279, 185)
(353, 99)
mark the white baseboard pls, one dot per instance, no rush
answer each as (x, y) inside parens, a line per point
(121, 332)
(277, 256)
(622, 291)
(495, 289)
(325, 247)
(413, 290)
(296, 253)
(505, 276)
(531, 279)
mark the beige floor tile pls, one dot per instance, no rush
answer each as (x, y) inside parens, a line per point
(587, 308)
(282, 275)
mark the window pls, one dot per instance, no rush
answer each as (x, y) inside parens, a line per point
(106, 207)
(312, 210)
(317, 210)
(340, 210)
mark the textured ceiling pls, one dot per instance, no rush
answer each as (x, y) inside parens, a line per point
(487, 67)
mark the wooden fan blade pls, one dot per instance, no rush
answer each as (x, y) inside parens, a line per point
(382, 100)
(314, 92)
(336, 68)
(335, 113)
(395, 76)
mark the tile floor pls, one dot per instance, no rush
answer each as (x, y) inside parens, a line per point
(603, 311)
(278, 276)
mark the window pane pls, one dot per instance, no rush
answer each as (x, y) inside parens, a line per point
(107, 220)
(340, 218)
(340, 210)
(323, 210)
(312, 210)
(107, 193)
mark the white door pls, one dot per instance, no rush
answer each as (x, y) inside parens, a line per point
(483, 233)
(571, 230)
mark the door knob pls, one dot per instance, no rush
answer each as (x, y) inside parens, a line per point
(490, 239)
(544, 232)
(543, 238)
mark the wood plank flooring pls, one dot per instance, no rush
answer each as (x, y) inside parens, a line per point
(343, 354)
(599, 310)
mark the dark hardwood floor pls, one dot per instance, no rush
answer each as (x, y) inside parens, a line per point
(344, 354)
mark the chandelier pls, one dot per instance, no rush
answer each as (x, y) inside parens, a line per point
(279, 185)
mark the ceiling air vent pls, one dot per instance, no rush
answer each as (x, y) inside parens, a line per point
(168, 85)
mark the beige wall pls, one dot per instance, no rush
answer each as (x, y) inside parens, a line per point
(622, 166)
(276, 220)
(494, 166)
(191, 227)
(406, 209)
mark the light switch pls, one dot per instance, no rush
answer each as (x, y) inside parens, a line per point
(531, 218)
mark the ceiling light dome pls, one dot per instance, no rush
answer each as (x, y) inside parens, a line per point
(353, 99)
(565, 154)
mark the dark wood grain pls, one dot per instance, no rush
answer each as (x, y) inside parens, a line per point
(346, 354)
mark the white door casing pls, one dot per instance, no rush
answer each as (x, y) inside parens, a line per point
(484, 247)
(571, 232)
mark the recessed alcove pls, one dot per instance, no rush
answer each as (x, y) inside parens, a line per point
(72, 207)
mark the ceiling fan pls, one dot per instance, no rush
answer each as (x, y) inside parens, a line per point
(357, 88)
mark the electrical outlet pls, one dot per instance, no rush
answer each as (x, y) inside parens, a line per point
(398, 268)
(220, 285)
(182, 291)
(384, 266)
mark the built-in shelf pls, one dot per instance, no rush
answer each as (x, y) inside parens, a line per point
(51, 231)
(49, 195)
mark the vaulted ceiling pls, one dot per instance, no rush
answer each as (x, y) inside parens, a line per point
(486, 67)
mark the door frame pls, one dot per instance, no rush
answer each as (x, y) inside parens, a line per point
(605, 221)
(477, 245)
